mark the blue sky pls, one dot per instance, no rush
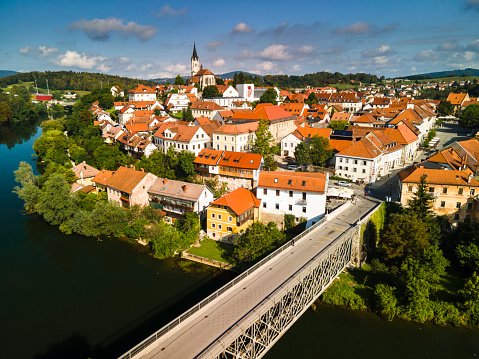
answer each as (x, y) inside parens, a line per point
(155, 39)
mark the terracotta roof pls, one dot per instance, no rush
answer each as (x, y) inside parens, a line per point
(267, 112)
(339, 145)
(292, 107)
(408, 114)
(381, 101)
(295, 181)
(241, 160)
(208, 157)
(102, 177)
(203, 120)
(177, 189)
(236, 129)
(142, 89)
(414, 173)
(125, 179)
(341, 116)
(240, 200)
(366, 118)
(206, 105)
(203, 72)
(472, 147)
(88, 171)
(363, 148)
(309, 132)
(456, 98)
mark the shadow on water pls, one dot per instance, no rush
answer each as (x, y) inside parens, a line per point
(74, 347)
(18, 133)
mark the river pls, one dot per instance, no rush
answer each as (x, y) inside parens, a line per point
(74, 297)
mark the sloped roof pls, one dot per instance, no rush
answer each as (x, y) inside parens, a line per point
(366, 118)
(310, 132)
(177, 189)
(240, 200)
(472, 147)
(142, 89)
(456, 98)
(236, 129)
(125, 179)
(363, 148)
(206, 105)
(204, 72)
(240, 160)
(102, 177)
(341, 116)
(267, 112)
(203, 120)
(208, 157)
(339, 145)
(294, 181)
(414, 173)
(88, 171)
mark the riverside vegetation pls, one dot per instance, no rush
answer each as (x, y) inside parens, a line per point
(419, 267)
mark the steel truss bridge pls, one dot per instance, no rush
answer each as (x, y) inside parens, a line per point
(247, 316)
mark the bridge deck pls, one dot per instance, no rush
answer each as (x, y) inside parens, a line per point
(191, 337)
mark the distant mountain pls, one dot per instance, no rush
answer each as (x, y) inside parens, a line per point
(450, 73)
(5, 73)
(228, 75)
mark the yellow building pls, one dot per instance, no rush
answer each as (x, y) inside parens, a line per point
(231, 214)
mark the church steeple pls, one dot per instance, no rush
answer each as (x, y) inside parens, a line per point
(195, 61)
(195, 55)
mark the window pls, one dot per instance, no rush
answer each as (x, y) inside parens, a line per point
(364, 171)
(220, 226)
(355, 162)
(275, 180)
(443, 204)
(458, 205)
(469, 206)
(229, 229)
(230, 219)
(340, 159)
(346, 168)
(291, 193)
(431, 189)
(213, 215)
(277, 192)
(213, 225)
(444, 190)
(456, 217)
(277, 206)
(265, 191)
(303, 183)
(304, 209)
(214, 234)
(304, 196)
(354, 169)
(364, 163)
(264, 204)
(347, 160)
(340, 167)
(290, 207)
(472, 191)
(225, 138)
(409, 188)
(219, 216)
(460, 190)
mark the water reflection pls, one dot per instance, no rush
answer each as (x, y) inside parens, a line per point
(18, 133)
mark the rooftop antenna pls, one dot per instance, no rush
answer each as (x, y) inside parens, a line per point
(48, 90)
(36, 85)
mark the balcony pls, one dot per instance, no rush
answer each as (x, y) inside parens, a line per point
(302, 201)
(249, 217)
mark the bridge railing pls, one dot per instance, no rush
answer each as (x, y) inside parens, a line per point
(175, 322)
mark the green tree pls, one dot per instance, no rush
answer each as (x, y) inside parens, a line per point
(386, 301)
(106, 102)
(404, 236)
(185, 169)
(445, 108)
(470, 295)
(108, 158)
(57, 111)
(312, 99)
(265, 145)
(289, 221)
(320, 153)
(164, 238)
(421, 203)
(219, 81)
(211, 91)
(338, 125)
(5, 112)
(269, 96)
(188, 115)
(56, 202)
(470, 117)
(28, 190)
(179, 80)
(302, 154)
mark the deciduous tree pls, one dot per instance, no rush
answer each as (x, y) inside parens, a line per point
(265, 145)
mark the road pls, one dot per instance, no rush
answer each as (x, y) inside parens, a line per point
(209, 323)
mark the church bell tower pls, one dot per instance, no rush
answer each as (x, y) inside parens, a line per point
(195, 61)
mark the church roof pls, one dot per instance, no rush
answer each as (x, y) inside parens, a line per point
(204, 72)
(195, 55)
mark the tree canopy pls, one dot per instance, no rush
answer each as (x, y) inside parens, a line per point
(211, 91)
(265, 145)
(269, 96)
(470, 117)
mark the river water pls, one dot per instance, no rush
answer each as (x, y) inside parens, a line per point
(74, 297)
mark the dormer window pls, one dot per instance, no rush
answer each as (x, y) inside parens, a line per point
(303, 183)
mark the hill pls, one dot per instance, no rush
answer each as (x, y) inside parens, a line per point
(4, 73)
(228, 75)
(450, 73)
(70, 80)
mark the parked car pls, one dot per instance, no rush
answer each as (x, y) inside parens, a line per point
(343, 184)
(293, 167)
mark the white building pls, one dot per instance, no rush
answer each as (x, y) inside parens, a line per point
(301, 194)
(142, 93)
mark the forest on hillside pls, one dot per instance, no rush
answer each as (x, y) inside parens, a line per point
(319, 79)
(70, 80)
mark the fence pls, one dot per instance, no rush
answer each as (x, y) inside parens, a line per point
(175, 322)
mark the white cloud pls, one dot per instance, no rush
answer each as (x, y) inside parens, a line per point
(124, 60)
(474, 45)
(306, 49)
(212, 45)
(242, 28)
(81, 61)
(427, 55)
(383, 50)
(166, 10)
(413, 68)
(170, 71)
(265, 67)
(356, 28)
(275, 52)
(381, 60)
(103, 68)
(47, 51)
(296, 68)
(219, 62)
(101, 29)
(27, 50)
(448, 46)
(351, 68)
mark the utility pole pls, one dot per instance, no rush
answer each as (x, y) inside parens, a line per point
(36, 85)
(48, 90)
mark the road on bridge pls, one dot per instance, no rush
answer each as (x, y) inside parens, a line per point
(191, 337)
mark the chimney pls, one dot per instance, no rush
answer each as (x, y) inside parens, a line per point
(133, 166)
(81, 176)
(142, 170)
(469, 178)
(184, 188)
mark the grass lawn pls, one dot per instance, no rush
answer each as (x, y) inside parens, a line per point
(214, 250)
(344, 86)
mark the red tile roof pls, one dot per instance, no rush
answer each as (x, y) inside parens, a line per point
(294, 181)
(125, 179)
(240, 200)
